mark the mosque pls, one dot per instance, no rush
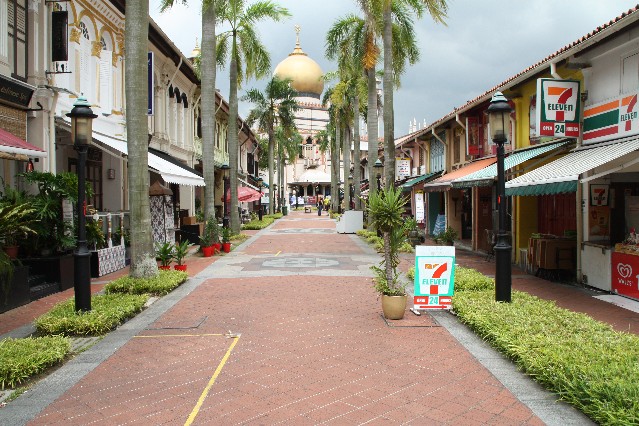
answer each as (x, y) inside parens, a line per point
(309, 175)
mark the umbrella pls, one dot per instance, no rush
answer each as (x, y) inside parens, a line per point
(244, 194)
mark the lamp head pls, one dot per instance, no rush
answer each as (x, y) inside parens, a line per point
(378, 164)
(225, 169)
(81, 122)
(499, 118)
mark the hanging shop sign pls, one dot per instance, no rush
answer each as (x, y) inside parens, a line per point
(611, 119)
(402, 167)
(150, 84)
(557, 109)
(15, 93)
(419, 206)
(625, 274)
(59, 36)
(434, 277)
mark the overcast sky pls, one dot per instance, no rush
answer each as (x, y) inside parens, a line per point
(484, 43)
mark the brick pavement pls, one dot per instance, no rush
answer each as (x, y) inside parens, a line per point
(313, 349)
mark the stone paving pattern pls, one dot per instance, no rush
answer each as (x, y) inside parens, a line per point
(312, 346)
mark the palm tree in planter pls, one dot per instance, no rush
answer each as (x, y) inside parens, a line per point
(179, 253)
(385, 209)
(164, 252)
(226, 240)
(210, 237)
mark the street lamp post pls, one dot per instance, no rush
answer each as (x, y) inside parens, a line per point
(225, 170)
(81, 133)
(276, 205)
(378, 166)
(499, 122)
(260, 182)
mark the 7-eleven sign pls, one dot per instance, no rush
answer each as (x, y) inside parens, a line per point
(558, 109)
(434, 277)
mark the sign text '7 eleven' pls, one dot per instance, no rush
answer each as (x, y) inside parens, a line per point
(434, 277)
(558, 109)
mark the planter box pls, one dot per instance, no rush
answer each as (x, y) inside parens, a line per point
(56, 269)
(107, 260)
(16, 293)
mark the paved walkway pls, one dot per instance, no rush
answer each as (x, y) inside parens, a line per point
(285, 329)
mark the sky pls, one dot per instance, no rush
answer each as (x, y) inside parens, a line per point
(484, 43)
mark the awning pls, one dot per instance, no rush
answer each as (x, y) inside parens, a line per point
(244, 194)
(423, 178)
(170, 171)
(563, 174)
(21, 149)
(486, 176)
(444, 183)
(313, 176)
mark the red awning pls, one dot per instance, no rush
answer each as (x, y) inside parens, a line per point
(244, 194)
(12, 144)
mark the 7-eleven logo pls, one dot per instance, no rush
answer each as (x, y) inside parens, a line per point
(561, 106)
(628, 111)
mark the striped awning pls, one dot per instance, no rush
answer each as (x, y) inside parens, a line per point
(444, 183)
(423, 178)
(486, 176)
(563, 174)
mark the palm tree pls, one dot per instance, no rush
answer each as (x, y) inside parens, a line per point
(399, 46)
(277, 104)
(288, 142)
(248, 58)
(136, 30)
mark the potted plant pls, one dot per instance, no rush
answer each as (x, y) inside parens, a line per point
(385, 208)
(15, 223)
(209, 237)
(446, 237)
(412, 231)
(164, 253)
(179, 253)
(226, 240)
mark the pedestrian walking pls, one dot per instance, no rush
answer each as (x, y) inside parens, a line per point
(326, 203)
(320, 206)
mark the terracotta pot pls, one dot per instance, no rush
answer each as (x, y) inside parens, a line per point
(208, 251)
(226, 247)
(394, 306)
(180, 267)
(12, 251)
(164, 268)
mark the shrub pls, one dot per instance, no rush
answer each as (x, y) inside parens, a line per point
(256, 224)
(467, 279)
(164, 283)
(584, 361)
(108, 311)
(21, 359)
(410, 274)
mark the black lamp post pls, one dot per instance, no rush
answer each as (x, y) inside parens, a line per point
(225, 170)
(276, 206)
(81, 133)
(260, 182)
(499, 122)
(350, 192)
(378, 166)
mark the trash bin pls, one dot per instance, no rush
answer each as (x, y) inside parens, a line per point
(284, 210)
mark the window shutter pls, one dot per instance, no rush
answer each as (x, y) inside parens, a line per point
(106, 81)
(85, 74)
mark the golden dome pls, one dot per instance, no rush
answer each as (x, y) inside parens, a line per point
(305, 72)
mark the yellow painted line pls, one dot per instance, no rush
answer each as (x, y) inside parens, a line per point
(179, 335)
(277, 254)
(200, 401)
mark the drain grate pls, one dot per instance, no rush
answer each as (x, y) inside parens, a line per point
(81, 344)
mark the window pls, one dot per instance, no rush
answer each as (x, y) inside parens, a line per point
(93, 175)
(436, 156)
(83, 64)
(630, 73)
(105, 95)
(17, 31)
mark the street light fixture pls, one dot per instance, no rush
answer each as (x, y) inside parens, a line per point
(82, 133)
(378, 166)
(260, 183)
(225, 171)
(499, 122)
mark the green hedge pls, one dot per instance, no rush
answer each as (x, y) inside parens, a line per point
(21, 359)
(584, 361)
(259, 224)
(107, 312)
(163, 283)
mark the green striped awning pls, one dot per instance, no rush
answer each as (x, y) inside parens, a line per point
(543, 189)
(412, 182)
(486, 176)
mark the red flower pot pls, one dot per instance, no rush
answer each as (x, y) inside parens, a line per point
(165, 268)
(218, 247)
(180, 268)
(226, 247)
(208, 251)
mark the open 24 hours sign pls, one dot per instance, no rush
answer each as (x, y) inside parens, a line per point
(434, 277)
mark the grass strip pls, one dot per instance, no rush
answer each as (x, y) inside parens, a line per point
(164, 283)
(586, 362)
(21, 359)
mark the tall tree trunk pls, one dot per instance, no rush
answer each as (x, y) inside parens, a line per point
(232, 139)
(136, 30)
(389, 131)
(357, 173)
(280, 185)
(388, 266)
(208, 108)
(271, 170)
(372, 132)
(335, 146)
(346, 161)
